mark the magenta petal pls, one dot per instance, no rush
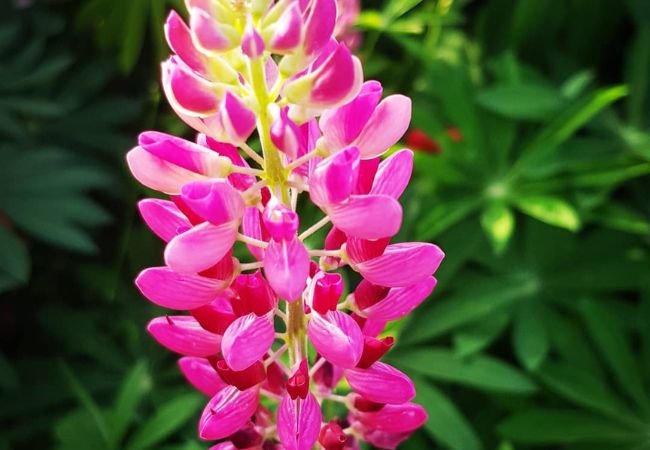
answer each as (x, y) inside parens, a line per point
(169, 289)
(342, 125)
(207, 31)
(400, 301)
(393, 174)
(185, 154)
(337, 79)
(158, 174)
(252, 227)
(184, 335)
(335, 177)
(215, 201)
(367, 216)
(227, 412)
(402, 264)
(238, 121)
(319, 25)
(200, 374)
(287, 32)
(180, 41)
(286, 266)
(193, 94)
(201, 247)
(247, 340)
(381, 383)
(395, 418)
(299, 422)
(163, 217)
(386, 126)
(337, 337)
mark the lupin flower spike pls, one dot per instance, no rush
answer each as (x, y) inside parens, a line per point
(322, 133)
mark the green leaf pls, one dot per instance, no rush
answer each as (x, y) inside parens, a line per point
(476, 337)
(584, 389)
(14, 260)
(474, 302)
(443, 216)
(77, 431)
(135, 385)
(521, 101)
(566, 123)
(620, 217)
(446, 423)
(530, 336)
(498, 222)
(480, 372)
(169, 418)
(576, 84)
(612, 343)
(136, 23)
(551, 210)
(550, 426)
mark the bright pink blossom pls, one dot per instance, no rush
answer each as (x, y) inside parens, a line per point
(246, 329)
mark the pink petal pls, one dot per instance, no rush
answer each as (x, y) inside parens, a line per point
(335, 177)
(299, 422)
(402, 264)
(400, 301)
(252, 43)
(337, 337)
(287, 31)
(395, 418)
(172, 290)
(286, 266)
(180, 41)
(383, 439)
(367, 216)
(201, 247)
(158, 174)
(228, 411)
(342, 125)
(247, 340)
(319, 25)
(238, 121)
(394, 174)
(200, 374)
(184, 335)
(386, 126)
(381, 383)
(367, 171)
(193, 94)
(215, 201)
(338, 79)
(208, 33)
(252, 226)
(163, 218)
(185, 154)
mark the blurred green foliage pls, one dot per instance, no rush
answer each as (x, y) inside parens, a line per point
(538, 334)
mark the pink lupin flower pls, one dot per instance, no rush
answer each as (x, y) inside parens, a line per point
(223, 81)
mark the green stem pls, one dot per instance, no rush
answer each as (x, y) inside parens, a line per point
(296, 333)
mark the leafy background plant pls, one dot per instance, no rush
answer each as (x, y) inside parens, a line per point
(537, 335)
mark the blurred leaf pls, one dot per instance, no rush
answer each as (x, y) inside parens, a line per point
(530, 335)
(135, 26)
(498, 222)
(446, 423)
(584, 389)
(474, 302)
(548, 426)
(8, 376)
(613, 346)
(567, 122)
(576, 84)
(550, 210)
(521, 101)
(77, 430)
(169, 418)
(476, 337)
(14, 260)
(477, 371)
(136, 384)
(620, 217)
(637, 74)
(443, 216)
